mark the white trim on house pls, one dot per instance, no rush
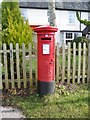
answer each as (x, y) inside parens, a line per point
(66, 40)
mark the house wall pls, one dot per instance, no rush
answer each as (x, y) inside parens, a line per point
(62, 21)
(40, 17)
(84, 15)
(37, 16)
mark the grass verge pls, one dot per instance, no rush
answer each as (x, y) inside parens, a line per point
(68, 101)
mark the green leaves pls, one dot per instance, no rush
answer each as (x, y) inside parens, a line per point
(81, 39)
(14, 28)
(85, 22)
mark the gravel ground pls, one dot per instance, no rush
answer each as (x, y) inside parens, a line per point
(9, 112)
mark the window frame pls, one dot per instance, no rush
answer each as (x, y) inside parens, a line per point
(68, 33)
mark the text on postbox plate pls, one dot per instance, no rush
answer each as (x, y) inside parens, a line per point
(46, 49)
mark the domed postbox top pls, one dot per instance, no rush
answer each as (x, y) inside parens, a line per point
(45, 29)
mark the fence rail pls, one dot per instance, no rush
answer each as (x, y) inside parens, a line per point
(18, 66)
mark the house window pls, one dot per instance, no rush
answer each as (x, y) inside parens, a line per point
(68, 35)
(68, 41)
(24, 13)
(71, 17)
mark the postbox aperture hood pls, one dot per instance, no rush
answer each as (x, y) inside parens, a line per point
(46, 28)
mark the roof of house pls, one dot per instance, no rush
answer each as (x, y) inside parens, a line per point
(80, 5)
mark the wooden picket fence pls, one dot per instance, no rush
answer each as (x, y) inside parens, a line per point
(75, 65)
(16, 75)
(18, 66)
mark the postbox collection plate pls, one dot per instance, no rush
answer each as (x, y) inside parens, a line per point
(46, 49)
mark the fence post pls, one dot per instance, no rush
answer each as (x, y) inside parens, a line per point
(88, 79)
(57, 63)
(79, 61)
(74, 61)
(12, 65)
(36, 61)
(17, 65)
(63, 62)
(30, 65)
(5, 66)
(69, 60)
(24, 65)
(84, 62)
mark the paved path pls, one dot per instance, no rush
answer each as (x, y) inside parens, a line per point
(9, 112)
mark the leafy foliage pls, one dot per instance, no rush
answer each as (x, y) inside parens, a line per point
(85, 22)
(14, 28)
(81, 39)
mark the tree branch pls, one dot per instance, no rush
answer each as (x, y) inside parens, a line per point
(85, 22)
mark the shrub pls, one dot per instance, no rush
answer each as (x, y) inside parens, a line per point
(81, 40)
(14, 28)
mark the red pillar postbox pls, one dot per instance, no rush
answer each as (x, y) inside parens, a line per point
(46, 59)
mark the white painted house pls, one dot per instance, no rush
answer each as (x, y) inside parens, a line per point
(68, 25)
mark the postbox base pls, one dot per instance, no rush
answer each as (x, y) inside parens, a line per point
(45, 88)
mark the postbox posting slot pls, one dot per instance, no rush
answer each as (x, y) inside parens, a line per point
(46, 38)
